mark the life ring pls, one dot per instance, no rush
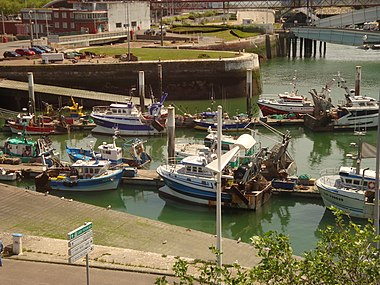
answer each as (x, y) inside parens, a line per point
(371, 185)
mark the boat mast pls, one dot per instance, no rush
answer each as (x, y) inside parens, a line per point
(377, 210)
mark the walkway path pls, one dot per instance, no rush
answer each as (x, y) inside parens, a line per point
(121, 240)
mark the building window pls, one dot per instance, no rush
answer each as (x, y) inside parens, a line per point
(72, 25)
(56, 25)
(118, 25)
(64, 25)
(64, 15)
(71, 15)
(56, 15)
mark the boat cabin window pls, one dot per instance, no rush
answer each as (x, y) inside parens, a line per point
(365, 183)
(200, 169)
(356, 182)
(188, 168)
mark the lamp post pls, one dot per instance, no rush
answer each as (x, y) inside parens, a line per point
(161, 28)
(2, 17)
(31, 28)
(126, 25)
(36, 24)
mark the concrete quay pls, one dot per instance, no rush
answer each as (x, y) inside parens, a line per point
(122, 241)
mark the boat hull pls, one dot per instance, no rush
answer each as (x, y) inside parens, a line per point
(106, 182)
(277, 109)
(205, 126)
(131, 127)
(32, 130)
(350, 201)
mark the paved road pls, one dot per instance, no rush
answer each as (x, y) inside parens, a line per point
(16, 272)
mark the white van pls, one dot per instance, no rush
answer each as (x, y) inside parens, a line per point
(52, 57)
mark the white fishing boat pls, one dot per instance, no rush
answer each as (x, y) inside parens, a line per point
(286, 103)
(193, 180)
(137, 157)
(128, 120)
(351, 189)
(357, 112)
(209, 145)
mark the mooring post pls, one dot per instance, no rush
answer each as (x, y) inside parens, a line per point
(294, 51)
(324, 49)
(31, 93)
(171, 134)
(315, 48)
(159, 71)
(268, 47)
(288, 46)
(249, 92)
(358, 79)
(320, 49)
(301, 46)
(142, 91)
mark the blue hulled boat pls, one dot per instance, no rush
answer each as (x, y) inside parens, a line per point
(92, 175)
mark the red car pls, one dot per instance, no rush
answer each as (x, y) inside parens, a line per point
(25, 51)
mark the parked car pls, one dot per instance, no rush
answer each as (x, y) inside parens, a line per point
(159, 33)
(37, 50)
(150, 32)
(25, 51)
(11, 54)
(44, 48)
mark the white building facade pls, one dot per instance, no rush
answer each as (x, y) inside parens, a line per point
(134, 13)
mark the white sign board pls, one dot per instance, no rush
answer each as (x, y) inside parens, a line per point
(80, 242)
(53, 38)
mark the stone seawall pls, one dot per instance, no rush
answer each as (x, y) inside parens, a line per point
(182, 79)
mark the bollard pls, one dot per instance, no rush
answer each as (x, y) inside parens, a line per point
(17, 244)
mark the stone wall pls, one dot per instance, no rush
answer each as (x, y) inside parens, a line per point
(182, 79)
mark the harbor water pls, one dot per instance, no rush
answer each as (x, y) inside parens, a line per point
(300, 218)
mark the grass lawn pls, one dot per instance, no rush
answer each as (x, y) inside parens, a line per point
(158, 53)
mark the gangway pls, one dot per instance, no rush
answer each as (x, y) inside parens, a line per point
(351, 18)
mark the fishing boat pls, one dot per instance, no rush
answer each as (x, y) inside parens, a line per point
(110, 151)
(128, 120)
(209, 145)
(67, 118)
(27, 149)
(32, 125)
(351, 189)
(86, 176)
(286, 103)
(356, 113)
(207, 120)
(9, 175)
(193, 180)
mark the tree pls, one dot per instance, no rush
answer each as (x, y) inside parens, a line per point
(345, 254)
(13, 7)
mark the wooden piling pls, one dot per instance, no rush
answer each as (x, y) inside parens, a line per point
(294, 50)
(268, 47)
(171, 134)
(31, 93)
(301, 46)
(142, 91)
(249, 92)
(159, 72)
(358, 79)
(315, 48)
(324, 49)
